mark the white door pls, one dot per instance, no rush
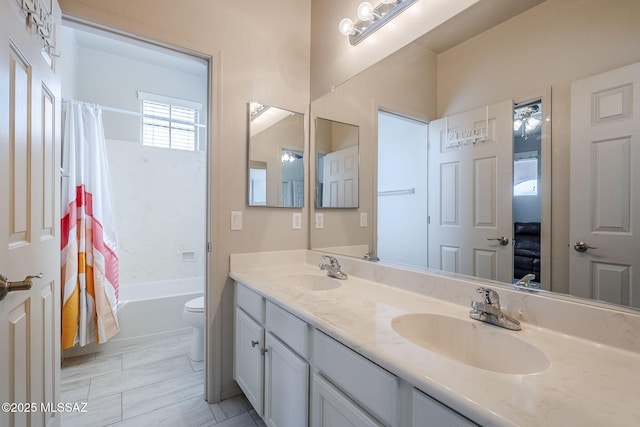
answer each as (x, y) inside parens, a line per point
(605, 186)
(29, 217)
(331, 408)
(286, 394)
(470, 192)
(249, 361)
(341, 179)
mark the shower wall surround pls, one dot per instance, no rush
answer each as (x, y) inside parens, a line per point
(159, 194)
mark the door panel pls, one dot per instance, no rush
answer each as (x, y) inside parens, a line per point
(341, 178)
(605, 207)
(29, 217)
(470, 175)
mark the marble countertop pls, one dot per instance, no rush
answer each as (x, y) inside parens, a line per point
(586, 383)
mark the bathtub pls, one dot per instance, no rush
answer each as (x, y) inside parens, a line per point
(148, 311)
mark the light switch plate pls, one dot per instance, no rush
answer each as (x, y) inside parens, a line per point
(296, 221)
(319, 220)
(363, 219)
(236, 220)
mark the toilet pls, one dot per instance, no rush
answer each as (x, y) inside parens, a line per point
(193, 314)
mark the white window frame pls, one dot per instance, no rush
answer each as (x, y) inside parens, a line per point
(171, 102)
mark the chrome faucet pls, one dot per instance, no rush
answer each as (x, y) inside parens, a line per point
(333, 268)
(525, 281)
(488, 310)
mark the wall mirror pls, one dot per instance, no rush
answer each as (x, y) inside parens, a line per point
(337, 164)
(276, 157)
(443, 79)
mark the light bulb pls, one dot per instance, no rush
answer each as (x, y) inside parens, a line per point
(346, 27)
(517, 123)
(365, 11)
(532, 123)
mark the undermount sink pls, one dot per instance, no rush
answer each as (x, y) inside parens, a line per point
(472, 343)
(312, 282)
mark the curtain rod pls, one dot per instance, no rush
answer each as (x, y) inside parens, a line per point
(119, 110)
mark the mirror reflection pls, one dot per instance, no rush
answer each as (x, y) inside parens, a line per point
(337, 164)
(527, 198)
(276, 157)
(564, 201)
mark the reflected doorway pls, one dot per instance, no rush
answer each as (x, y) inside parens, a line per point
(527, 200)
(402, 236)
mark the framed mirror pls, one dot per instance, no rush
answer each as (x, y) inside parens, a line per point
(337, 164)
(275, 157)
(441, 79)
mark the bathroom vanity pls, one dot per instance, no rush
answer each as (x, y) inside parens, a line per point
(395, 347)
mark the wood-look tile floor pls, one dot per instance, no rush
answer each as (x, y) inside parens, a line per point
(149, 384)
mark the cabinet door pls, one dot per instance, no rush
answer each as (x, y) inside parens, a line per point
(330, 408)
(429, 412)
(249, 365)
(286, 386)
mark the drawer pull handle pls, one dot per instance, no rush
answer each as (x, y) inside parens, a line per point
(254, 343)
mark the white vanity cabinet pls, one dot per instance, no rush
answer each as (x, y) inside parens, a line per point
(361, 383)
(269, 361)
(427, 412)
(297, 376)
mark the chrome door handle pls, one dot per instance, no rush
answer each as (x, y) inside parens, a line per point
(504, 241)
(6, 286)
(582, 247)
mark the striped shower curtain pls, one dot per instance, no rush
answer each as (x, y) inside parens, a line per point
(88, 240)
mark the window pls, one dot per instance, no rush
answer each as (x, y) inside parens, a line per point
(525, 174)
(169, 122)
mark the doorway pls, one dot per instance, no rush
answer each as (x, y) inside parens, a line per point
(155, 109)
(402, 231)
(527, 195)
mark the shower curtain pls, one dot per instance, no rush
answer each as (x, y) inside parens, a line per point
(88, 240)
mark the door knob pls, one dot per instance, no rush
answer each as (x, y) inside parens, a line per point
(504, 241)
(6, 286)
(582, 247)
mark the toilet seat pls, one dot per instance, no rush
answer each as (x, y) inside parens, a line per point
(195, 305)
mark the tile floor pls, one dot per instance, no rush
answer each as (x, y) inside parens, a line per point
(148, 384)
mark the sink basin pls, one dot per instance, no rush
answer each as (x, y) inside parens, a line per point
(312, 282)
(473, 343)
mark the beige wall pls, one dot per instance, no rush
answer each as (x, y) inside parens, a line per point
(409, 90)
(334, 60)
(550, 45)
(260, 54)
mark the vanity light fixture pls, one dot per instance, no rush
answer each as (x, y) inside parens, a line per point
(371, 18)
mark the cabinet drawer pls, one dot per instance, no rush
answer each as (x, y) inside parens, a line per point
(251, 302)
(365, 382)
(429, 412)
(288, 328)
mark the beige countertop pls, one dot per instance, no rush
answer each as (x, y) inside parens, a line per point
(584, 383)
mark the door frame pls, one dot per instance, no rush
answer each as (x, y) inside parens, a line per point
(213, 363)
(546, 244)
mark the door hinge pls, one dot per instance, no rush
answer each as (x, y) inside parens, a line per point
(428, 219)
(209, 247)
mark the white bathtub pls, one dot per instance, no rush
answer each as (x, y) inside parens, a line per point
(148, 311)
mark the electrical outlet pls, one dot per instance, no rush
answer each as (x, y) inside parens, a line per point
(296, 221)
(319, 220)
(236, 220)
(363, 219)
